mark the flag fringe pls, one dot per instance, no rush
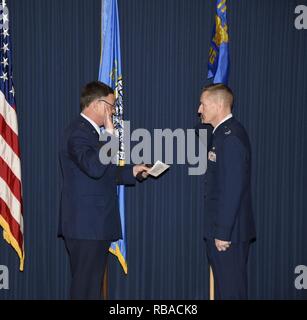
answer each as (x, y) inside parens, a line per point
(8, 237)
(120, 257)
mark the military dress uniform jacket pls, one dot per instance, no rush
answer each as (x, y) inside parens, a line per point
(228, 203)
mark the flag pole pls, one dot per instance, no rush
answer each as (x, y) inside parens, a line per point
(211, 285)
(105, 287)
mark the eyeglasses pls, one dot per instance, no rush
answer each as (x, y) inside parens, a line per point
(111, 105)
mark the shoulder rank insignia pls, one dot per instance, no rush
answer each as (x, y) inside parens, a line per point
(227, 131)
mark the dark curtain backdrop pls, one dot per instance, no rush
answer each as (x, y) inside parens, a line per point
(164, 50)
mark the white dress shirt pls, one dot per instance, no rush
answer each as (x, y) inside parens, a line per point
(225, 119)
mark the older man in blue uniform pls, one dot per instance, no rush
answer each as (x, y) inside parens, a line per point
(89, 217)
(229, 224)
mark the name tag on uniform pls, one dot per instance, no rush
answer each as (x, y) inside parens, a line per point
(212, 156)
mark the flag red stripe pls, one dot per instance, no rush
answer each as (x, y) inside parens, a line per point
(9, 135)
(14, 225)
(11, 180)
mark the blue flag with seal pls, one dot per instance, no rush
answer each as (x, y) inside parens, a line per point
(218, 65)
(110, 73)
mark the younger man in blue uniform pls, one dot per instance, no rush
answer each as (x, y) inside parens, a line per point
(229, 224)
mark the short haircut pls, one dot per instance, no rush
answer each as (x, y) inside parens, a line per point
(222, 91)
(92, 91)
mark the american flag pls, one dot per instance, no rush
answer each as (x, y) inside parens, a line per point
(11, 218)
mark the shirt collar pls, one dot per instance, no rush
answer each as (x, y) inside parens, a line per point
(93, 123)
(225, 119)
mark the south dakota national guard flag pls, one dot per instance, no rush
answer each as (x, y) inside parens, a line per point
(218, 65)
(111, 73)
